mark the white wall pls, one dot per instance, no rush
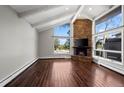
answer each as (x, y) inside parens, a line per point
(18, 42)
(46, 45)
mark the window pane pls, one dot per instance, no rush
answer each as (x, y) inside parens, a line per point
(110, 21)
(114, 22)
(63, 30)
(99, 42)
(100, 27)
(109, 55)
(61, 45)
(99, 53)
(113, 41)
(113, 56)
(109, 41)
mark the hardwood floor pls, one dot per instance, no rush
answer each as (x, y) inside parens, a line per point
(67, 73)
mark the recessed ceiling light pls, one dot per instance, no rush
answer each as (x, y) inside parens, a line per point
(66, 8)
(79, 15)
(90, 8)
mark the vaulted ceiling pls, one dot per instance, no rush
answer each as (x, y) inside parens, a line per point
(43, 17)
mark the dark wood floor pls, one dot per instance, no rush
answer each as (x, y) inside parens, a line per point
(66, 73)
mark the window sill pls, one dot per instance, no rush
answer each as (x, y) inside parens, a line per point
(61, 53)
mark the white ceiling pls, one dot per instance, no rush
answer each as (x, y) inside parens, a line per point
(43, 17)
(94, 10)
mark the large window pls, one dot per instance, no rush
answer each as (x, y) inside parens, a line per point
(108, 35)
(62, 39)
(110, 21)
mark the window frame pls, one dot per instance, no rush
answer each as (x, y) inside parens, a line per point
(62, 37)
(119, 29)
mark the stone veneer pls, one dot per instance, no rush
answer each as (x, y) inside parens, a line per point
(83, 29)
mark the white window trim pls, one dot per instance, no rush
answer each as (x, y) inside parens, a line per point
(122, 41)
(112, 51)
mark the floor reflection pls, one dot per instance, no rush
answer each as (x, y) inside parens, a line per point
(61, 74)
